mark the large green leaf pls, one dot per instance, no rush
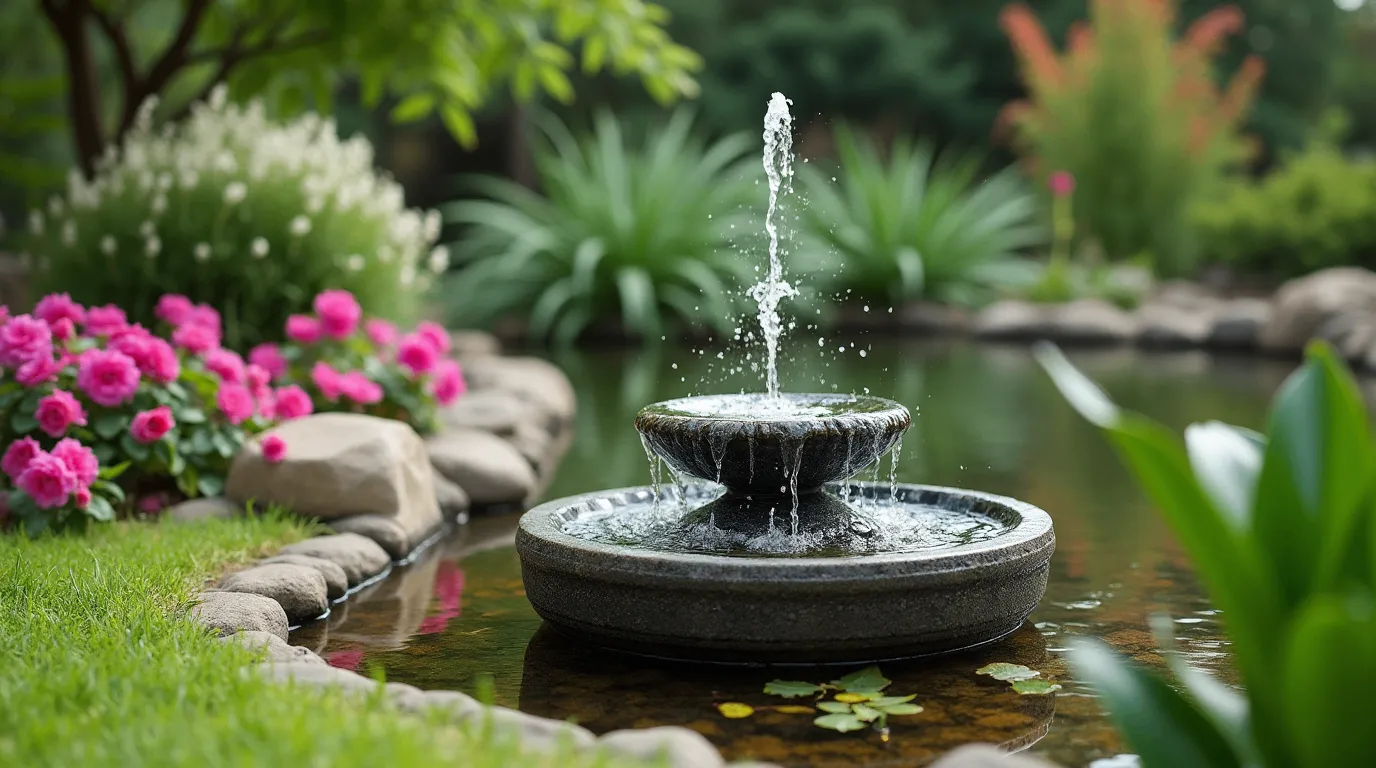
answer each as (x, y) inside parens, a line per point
(1163, 727)
(1227, 462)
(1329, 677)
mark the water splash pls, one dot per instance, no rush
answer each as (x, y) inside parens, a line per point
(793, 483)
(893, 469)
(655, 464)
(778, 167)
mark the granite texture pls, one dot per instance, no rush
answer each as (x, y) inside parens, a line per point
(788, 610)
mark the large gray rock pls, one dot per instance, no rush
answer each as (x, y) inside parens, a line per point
(539, 733)
(454, 501)
(1011, 319)
(230, 612)
(533, 443)
(532, 379)
(388, 534)
(336, 580)
(455, 706)
(487, 467)
(468, 344)
(299, 589)
(1353, 334)
(986, 756)
(927, 317)
(1166, 326)
(677, 747)
(359, 556)
(275, 650)
(1183, 294)
(319, 676)
(1238, 324)
(209, 508)
(493, 410)
(1089, 321)
(1302, 306)
(342, 465)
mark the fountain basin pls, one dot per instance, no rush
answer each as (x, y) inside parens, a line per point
(787, 610)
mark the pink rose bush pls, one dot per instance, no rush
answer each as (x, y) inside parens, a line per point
(96, 411)
(338, 360)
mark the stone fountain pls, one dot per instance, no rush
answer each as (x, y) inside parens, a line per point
(762, 550)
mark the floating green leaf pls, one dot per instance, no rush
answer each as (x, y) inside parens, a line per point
(1007, 672)
(868, 714)
(735, 710)
(791, 689)
(889, 701)
(1035, 687)
(905, 709)
(868, 679)
(834, 707)
(839, 722)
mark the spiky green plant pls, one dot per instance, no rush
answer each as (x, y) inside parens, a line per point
(923, 225)
(636, 232)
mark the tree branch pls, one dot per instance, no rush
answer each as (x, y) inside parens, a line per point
(168, 64)
(235, 54)
(83, 89)
(124, 53)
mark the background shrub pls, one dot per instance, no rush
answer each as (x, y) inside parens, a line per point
(1135, 116)
(622, 232)
(233, 210)
(1318, 209)
(921, 225)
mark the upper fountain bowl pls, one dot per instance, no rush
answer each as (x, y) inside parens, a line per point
(755, 444)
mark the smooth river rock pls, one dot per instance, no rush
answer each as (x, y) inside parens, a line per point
(539, 733)
(359, 556)
(386, 531)
(1011, 319)
(275, 650)
(986, 756)
(1169, 326)
(530, 378)
(1090, 321)
(487, 467)
(208, 508)
(336, 580)
(1302, 306)
(465, 344)
(493, 410)
(343, 465)
(677, 747)
(230, 612)
(1238, 324)
(299, 589)
(454, 501)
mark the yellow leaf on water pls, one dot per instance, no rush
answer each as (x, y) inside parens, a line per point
(735, 710)
(852, 698)
(795, 709)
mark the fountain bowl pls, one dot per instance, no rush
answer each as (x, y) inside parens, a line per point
(787, 610)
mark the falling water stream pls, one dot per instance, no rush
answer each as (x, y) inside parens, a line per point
(778, 167)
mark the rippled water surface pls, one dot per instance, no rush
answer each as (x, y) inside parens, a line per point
(983, 417)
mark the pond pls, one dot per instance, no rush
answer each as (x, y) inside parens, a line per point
(985, 417)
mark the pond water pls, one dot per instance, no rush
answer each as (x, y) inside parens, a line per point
(985, 417)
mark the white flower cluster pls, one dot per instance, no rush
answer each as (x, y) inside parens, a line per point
(220, 157)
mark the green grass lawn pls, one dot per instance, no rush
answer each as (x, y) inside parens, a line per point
(99, 666)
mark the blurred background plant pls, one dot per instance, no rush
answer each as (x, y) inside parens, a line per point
(239, 212)
(1132, 112)
(631, 234)
(920, 224)
(1317, 209)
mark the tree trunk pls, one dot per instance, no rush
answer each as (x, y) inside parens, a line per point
(83, 85)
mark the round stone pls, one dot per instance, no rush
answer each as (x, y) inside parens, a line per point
(809, 609)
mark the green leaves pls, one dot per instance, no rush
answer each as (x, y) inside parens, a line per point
(866, 680)
(1007, 672)
(840, 722)
(792, 689)
(1035, 687)
(859, 700)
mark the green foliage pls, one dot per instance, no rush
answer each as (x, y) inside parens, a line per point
(250, 216)
(922, 225)
(101, 667)
(1281, 529)
(859, 702)
(1316, 210)
(623, 231)
(1124, 285)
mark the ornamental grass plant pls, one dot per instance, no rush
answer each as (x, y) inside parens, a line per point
(240, 212)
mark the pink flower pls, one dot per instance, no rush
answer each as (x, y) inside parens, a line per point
(196, 338)
(155, 358)
(107, 376)
(303, 329)
(269, 356)
(267, 402)
(58, 411)
(256, 376)
(59, 306)
(79, 459)
(82, 497)
(339, 313)
(435, 334)
(4, 314)
(274, 449)
(205, 315)
(39, 370)
(1062, 184)
(381, 332)
(448, 383)
(326, 379)
(173, 309)
(359, 388)
(47, 481)
(106, 320)
(152, 504)
(226, 364)
(18, 456)
(63, 329)
(24, 338)
(417, 354)
(150, 426)
(236, 402)
(293, 403)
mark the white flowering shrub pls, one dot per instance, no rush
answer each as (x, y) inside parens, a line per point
(242, 213)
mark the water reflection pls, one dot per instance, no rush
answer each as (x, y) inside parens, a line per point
(984, 417)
